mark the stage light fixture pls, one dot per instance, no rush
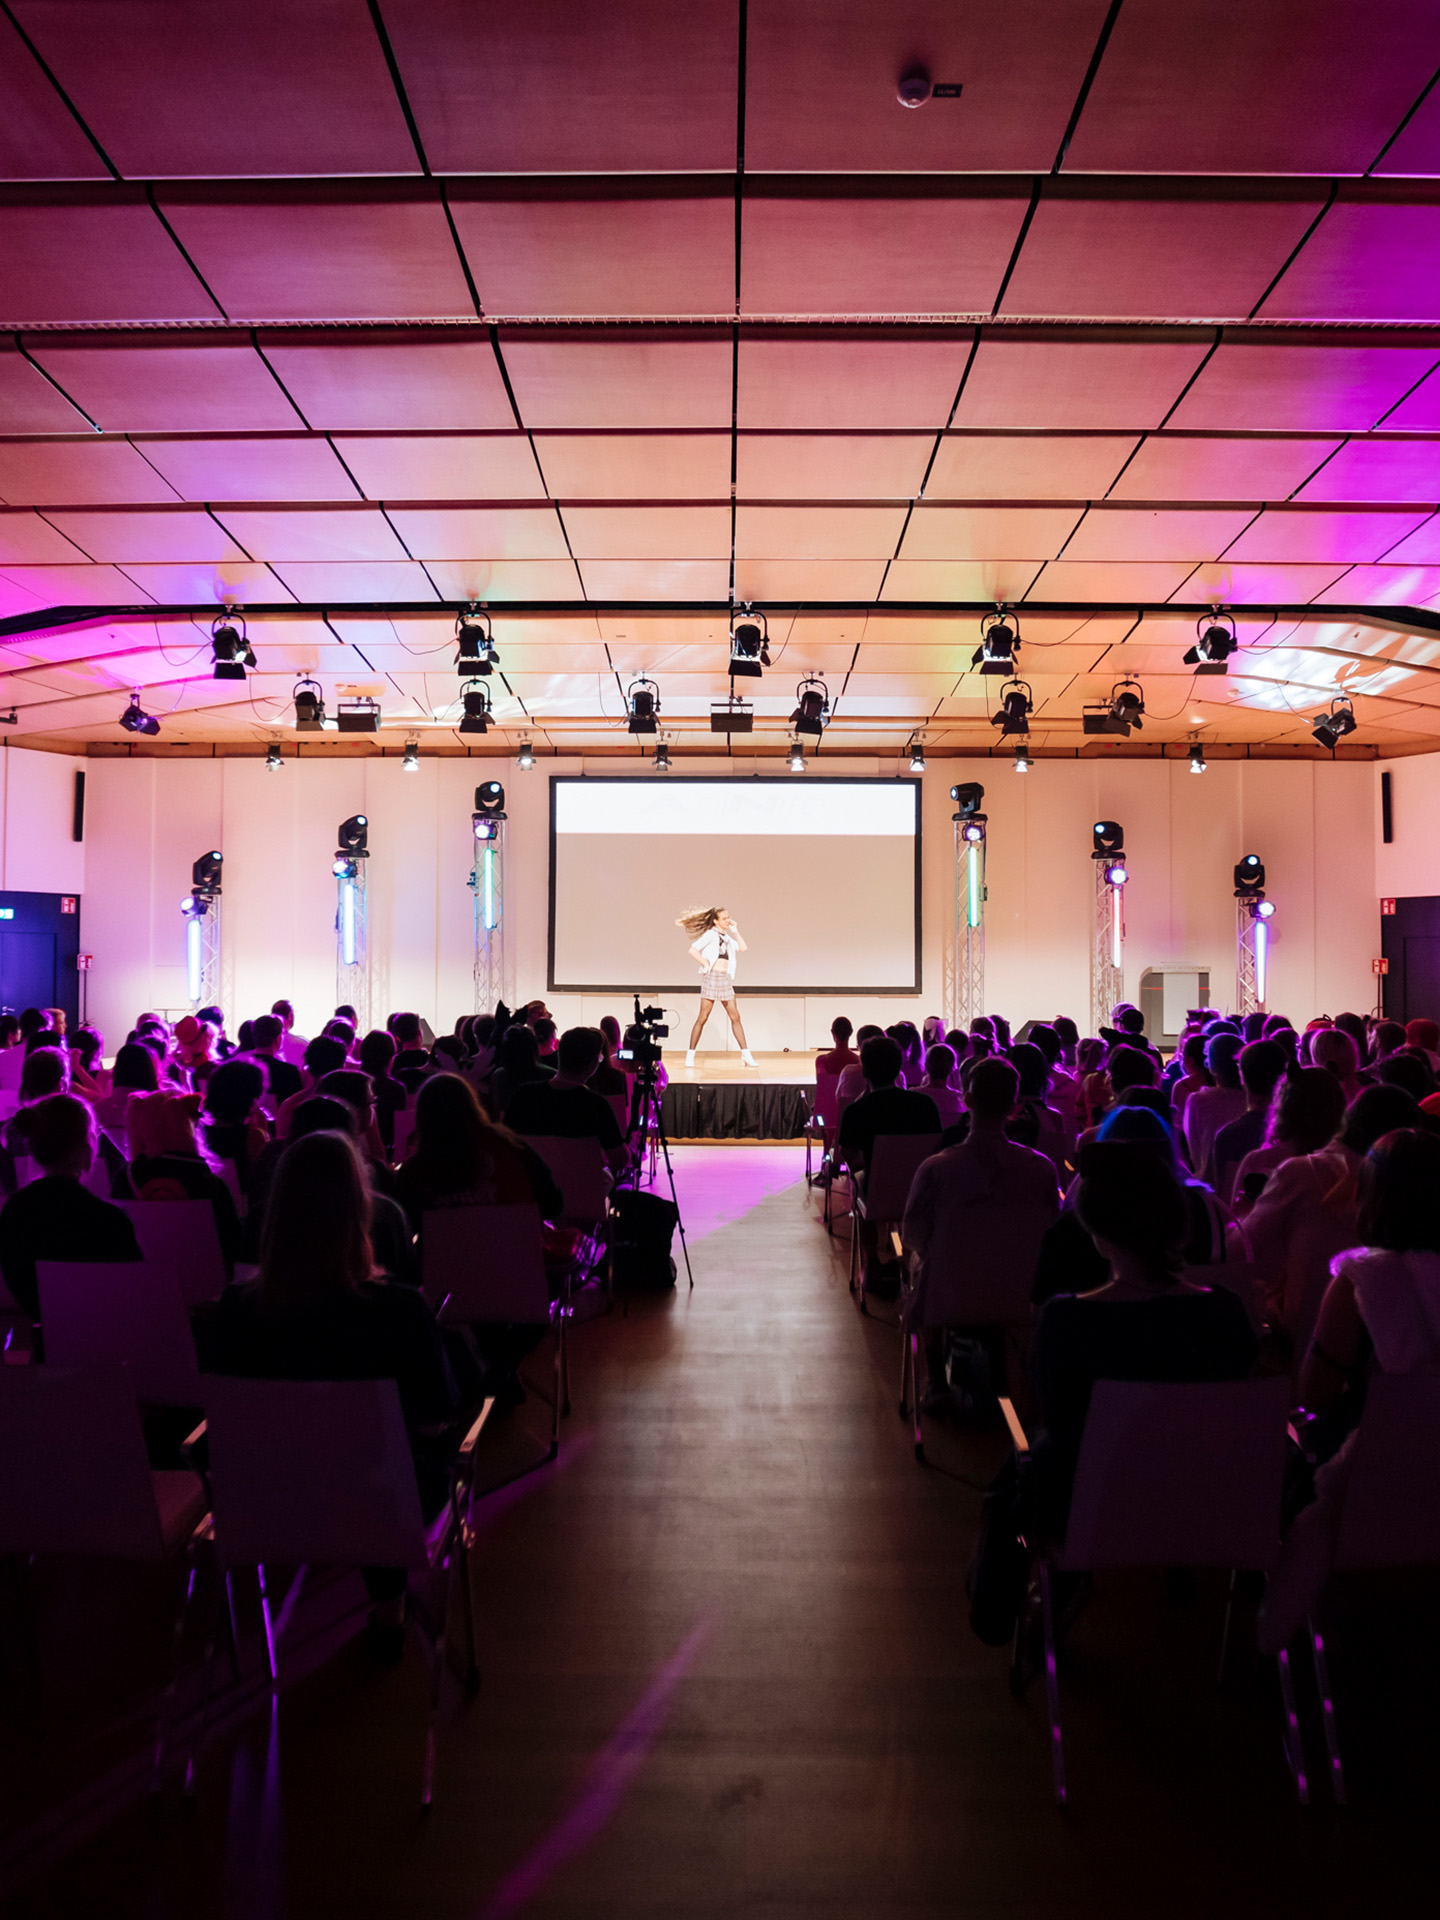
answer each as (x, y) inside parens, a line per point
(1197, 758)
(1120, 714)
(490, 799)
(353, 835)
(1023, 762)
(1107, 836)
(662, 757)
(358, 715)
(410, 762)
(642, 707)
(476, 703)
(999, 639)
(732, 716)
(274, 759)
(1249, 877)
(917, 757)
(309, 701)
(1215, 642)
(205, 873)
(230, 647)
(135, 719)
(474, 643)
(1016, 706)
(797, 756)
(973, 830)
(1116, 874)
(525, 759)
(1263, 910)
(344, 867)
(812, 707)
(969, 797)
(749, 646)
(1332, 727)
(194, 906)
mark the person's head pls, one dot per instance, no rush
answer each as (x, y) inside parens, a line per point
(1141, 1127)
(31, 1021)
(245, 1035)
(1354, 1025)
(580, 1052)
(341, 1030)
(86, 1045)
(1253, 1027)
(984, 1025)
(407, 1031)
(881, 1060)
(10, 1034)
(1066, 1028)
(1130, 1067)
(939, 1064)
(1424, 1034)
(1002, 1030)
(1029, 1062)
(322, 1114)
(315, 1243)
(868, 1033)
(355, 1090)
(958, 1042)
(45, 1037)
(266, 1033)
(452, 1134)
(1133, 1207)
(1306, 1110)
(377, 1053)
(482, 1029)
(1192, 1057)
(1222, 1059)
(135, 1069)
(1377, 1110)
(992, 1092)
(232, 1090)
(1129, 1019)
(610, 1034)
(213, 1017)
(699, 920)
(1388, 1038)
(450, 1053)
(1047, 1040)
(1090, 1054)
(347, 1013)
(840, 1031)
(157, 1123)
(1409, 1069)
(547, 1038)
(1261, 1064)
(284, 1013)
(519, 1050)
(1334, 1050)
(324, 1055)
(1400, 1192)
(58, 1133)
(55, 1019)
(46, 1072)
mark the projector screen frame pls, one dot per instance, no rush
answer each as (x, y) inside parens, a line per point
(910, 992)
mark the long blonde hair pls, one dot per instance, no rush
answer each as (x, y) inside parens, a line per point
(699, 920)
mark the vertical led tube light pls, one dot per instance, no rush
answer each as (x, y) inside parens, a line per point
(194, 958)
(1262, 943)
(347, 922)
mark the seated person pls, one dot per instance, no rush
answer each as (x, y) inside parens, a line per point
(166, 1162)
(547, 1039)
(235, 1132)
(377, 1058)
(460, 1158)
(842, 1054)
(517, 1065)
(355, 1090)
(1307, 1110)
(883, 1107)
(567, 1107)
(939, 1069)
(266, 1035)
(412, 1057)
(292, 1044)
(324, 1054)
(1262, 1063)
(391, 1236)
(55, 1218)
(852, 1076)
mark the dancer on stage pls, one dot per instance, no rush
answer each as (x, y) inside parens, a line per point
(714, 942)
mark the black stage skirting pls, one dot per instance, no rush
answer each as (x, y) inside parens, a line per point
(774, 1111)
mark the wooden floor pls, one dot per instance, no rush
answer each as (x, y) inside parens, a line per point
(728, 1069)
(727, 1672)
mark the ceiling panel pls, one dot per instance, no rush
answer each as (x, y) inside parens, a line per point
(817, 533)
(646, 86)
(959, 579)
(648, 533)
(1394, 586)
(27, 539)
(821, 79)
(386, 378)
(460, 533)
(1417, 150)
(320, 580)
(211, 90)
(1018, 382)
(198, 385)
(1069, 579)
(338, 533)
(180, 534)
(497, 466)
(76, 472)
(1027, 466)
(76, 586)
(1291, 534)
(322, 253)
(655, 466)
(28, 402)
(281, 468)
(1256, 584)
(1379, 470)
(813, 377)
(987, 533)
(1151, 533)
(656, 579)
(1181, 467)
(1098, 255)
(39, 140)
(786, 466)
(493, 580)
(1422, 546)
(1418, 411)
(1275, 385)
(1365, 261)
(878, 254)
(212, 583)
(51, 246)
(761, 579)
(1225, 86)
(584, 258)
(604, 380)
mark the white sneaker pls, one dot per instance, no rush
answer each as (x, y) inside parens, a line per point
(690, 1057)
(747, 1056)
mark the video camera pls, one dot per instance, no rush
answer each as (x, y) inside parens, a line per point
(640, 1045)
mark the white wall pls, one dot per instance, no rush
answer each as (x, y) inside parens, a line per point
(1410, 865)
(37, 810)
(148, 819)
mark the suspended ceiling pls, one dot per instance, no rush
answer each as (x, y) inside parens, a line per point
(611, 318)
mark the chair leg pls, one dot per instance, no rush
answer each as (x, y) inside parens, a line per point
(854, 1249)
(565, 1364)
(904, 1373)
(234, 1628)
(206, 1680)
(1294, 1746)
(167, 1698)
(269, 1624)
(437, 1671)
(1052, 1685)
(1327, 1710)
(913, 1343)
(556, 1396)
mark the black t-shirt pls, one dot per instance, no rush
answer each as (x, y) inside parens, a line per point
(564, 1113)
(609, 1082)
(285, 1080)
(55, 1218)
(885, 1110)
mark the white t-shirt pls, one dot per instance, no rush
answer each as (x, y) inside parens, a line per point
(717, 950)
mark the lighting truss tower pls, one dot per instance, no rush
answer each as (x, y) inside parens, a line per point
(202, 949)
(352, 966)
(963, 983)
(487, 883)
(1107, 939)
(1253, 914)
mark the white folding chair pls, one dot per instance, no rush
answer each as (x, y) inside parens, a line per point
(1172, 1475)
(485, 1266)
(822, 1119)
(881, 1196)
(121, 1314)
(181, 1237)
(320, 1473)
(1391, 1512)
(77, 1481)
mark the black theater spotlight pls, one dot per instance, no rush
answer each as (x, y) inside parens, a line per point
(1333, 726)
(749, 646)
(812, 707)
(1249, 877)
(917, 756)
(474, 643)
(274, 759)
(205, 874)
(1121, 713)
(1023, 762)
(662, 757)
(1107, 837)
(797, 756)
(999, 639)
(489, 810)
(1197, 757)
(230, 647)
(642, 707)
(410, 760)
(135, 719)
(1215, 642)
(1016, 706)
(476, 703)
(309, 701)
(525, 759)
(352, 846)
(969, 797)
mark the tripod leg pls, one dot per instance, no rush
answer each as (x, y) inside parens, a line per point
(664, 1145)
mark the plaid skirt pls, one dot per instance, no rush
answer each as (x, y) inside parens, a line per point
(716, 986)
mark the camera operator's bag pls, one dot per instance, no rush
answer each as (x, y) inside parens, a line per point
(640, 1236)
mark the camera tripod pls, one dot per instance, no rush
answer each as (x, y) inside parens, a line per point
(645, 1112)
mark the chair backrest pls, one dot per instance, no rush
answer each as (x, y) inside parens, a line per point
(826, 1100)
(1391, 1516)
(312, 1472)
(404, 1133)
(1183, 1475)
(580, 1173)
(892, 1168)
(121, 1314)
(980, 1265)
(12, 1066)
(76, 1478)
(485, 1264)
(181, 1236)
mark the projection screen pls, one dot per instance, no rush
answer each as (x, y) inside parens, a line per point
(822, 877)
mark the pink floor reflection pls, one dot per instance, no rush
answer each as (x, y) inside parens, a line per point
(717, 1185)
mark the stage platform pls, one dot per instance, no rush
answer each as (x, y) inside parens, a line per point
(720, 1098)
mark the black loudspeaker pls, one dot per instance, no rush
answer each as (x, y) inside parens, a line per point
(1387, 818)
(77, 824)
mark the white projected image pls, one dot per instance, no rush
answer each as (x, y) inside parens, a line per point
(820, 879)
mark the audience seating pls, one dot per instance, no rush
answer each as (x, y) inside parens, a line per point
(404, 1133)
(880, 1197)
(583, 1177)
(1171, 1476)
(181, 1237)
(121, 1314)
(12, 1068)
(823, 1119)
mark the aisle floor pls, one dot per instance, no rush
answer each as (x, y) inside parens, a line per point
(726, 1672)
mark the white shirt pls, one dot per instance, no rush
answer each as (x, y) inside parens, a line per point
(717, 950)
(292, 1048)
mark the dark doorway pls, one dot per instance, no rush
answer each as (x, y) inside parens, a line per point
(1410, 941)
(39, 939)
